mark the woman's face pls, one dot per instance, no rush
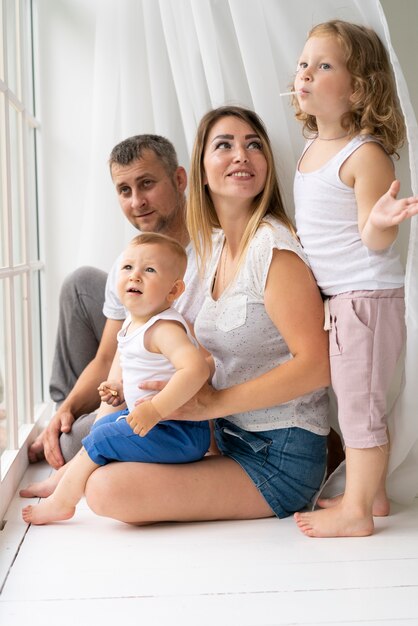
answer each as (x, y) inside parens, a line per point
(235, 166)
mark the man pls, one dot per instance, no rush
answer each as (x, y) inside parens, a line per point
(150, 186)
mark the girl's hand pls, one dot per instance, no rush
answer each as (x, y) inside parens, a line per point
(197, 408)
(111, 392)
(388, 211)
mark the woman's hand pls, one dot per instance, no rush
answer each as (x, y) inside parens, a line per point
(199, 407)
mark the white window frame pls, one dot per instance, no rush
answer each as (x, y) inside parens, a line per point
(20, 429)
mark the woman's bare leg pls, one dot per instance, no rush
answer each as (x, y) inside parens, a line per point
(216, 488)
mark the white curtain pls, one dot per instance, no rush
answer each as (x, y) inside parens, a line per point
(160, 65)
(403, 467)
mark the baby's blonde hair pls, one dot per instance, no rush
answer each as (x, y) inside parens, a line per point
(375, 108)
(173, 246)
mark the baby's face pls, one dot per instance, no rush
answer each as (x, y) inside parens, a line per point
(147, 280)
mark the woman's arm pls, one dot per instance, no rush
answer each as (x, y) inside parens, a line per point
(294, 305)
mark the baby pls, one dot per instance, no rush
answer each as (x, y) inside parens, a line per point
(154, 342)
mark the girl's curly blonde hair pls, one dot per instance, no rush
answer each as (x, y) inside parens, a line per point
(375, 108)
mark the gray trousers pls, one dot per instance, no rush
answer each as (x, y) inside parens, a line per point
(80, 328)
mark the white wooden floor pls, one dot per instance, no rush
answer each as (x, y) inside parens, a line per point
(92, 571)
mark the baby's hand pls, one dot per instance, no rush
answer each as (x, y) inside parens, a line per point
(389, 212)
(111, 392)
(144, 417)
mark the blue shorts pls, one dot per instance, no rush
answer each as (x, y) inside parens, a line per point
(287, 465)
(112, 439)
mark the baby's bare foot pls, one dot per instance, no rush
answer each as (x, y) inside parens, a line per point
(46, 512)
(43, 489)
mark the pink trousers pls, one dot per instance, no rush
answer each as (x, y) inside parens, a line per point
(365, 341)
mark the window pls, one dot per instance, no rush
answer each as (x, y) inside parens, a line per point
(21, 380)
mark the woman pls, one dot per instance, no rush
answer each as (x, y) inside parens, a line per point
(262, 320)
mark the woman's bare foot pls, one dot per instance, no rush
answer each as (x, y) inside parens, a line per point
(381, 504)
(42, 489)
(337, 521)
(46, 512)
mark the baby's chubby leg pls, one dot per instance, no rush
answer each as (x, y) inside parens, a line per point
(60, 505)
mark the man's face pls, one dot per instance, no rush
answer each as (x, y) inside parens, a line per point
(151, 200)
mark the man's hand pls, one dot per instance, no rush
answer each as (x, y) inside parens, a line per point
(144, 417)
(61, 423)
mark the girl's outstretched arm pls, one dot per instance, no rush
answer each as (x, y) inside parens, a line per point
(370, 171)
(385, 216)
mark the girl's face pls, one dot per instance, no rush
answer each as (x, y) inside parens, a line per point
(235, 166)
(323, 80)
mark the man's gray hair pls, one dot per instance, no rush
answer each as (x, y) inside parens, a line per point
(132, 149)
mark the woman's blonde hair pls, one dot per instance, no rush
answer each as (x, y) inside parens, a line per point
(201, 214)
(375, 108)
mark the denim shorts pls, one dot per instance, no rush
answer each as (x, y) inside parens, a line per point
(287, 465)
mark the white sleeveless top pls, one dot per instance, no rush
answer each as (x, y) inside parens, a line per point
(243, 340)
(138, 363)
(326, 221)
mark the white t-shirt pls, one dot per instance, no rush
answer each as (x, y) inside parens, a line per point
(188, 304)
(243, 340)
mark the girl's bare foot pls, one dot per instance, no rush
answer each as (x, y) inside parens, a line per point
(46, 512)
(337, 521)
(381, 504)
(42, 489)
